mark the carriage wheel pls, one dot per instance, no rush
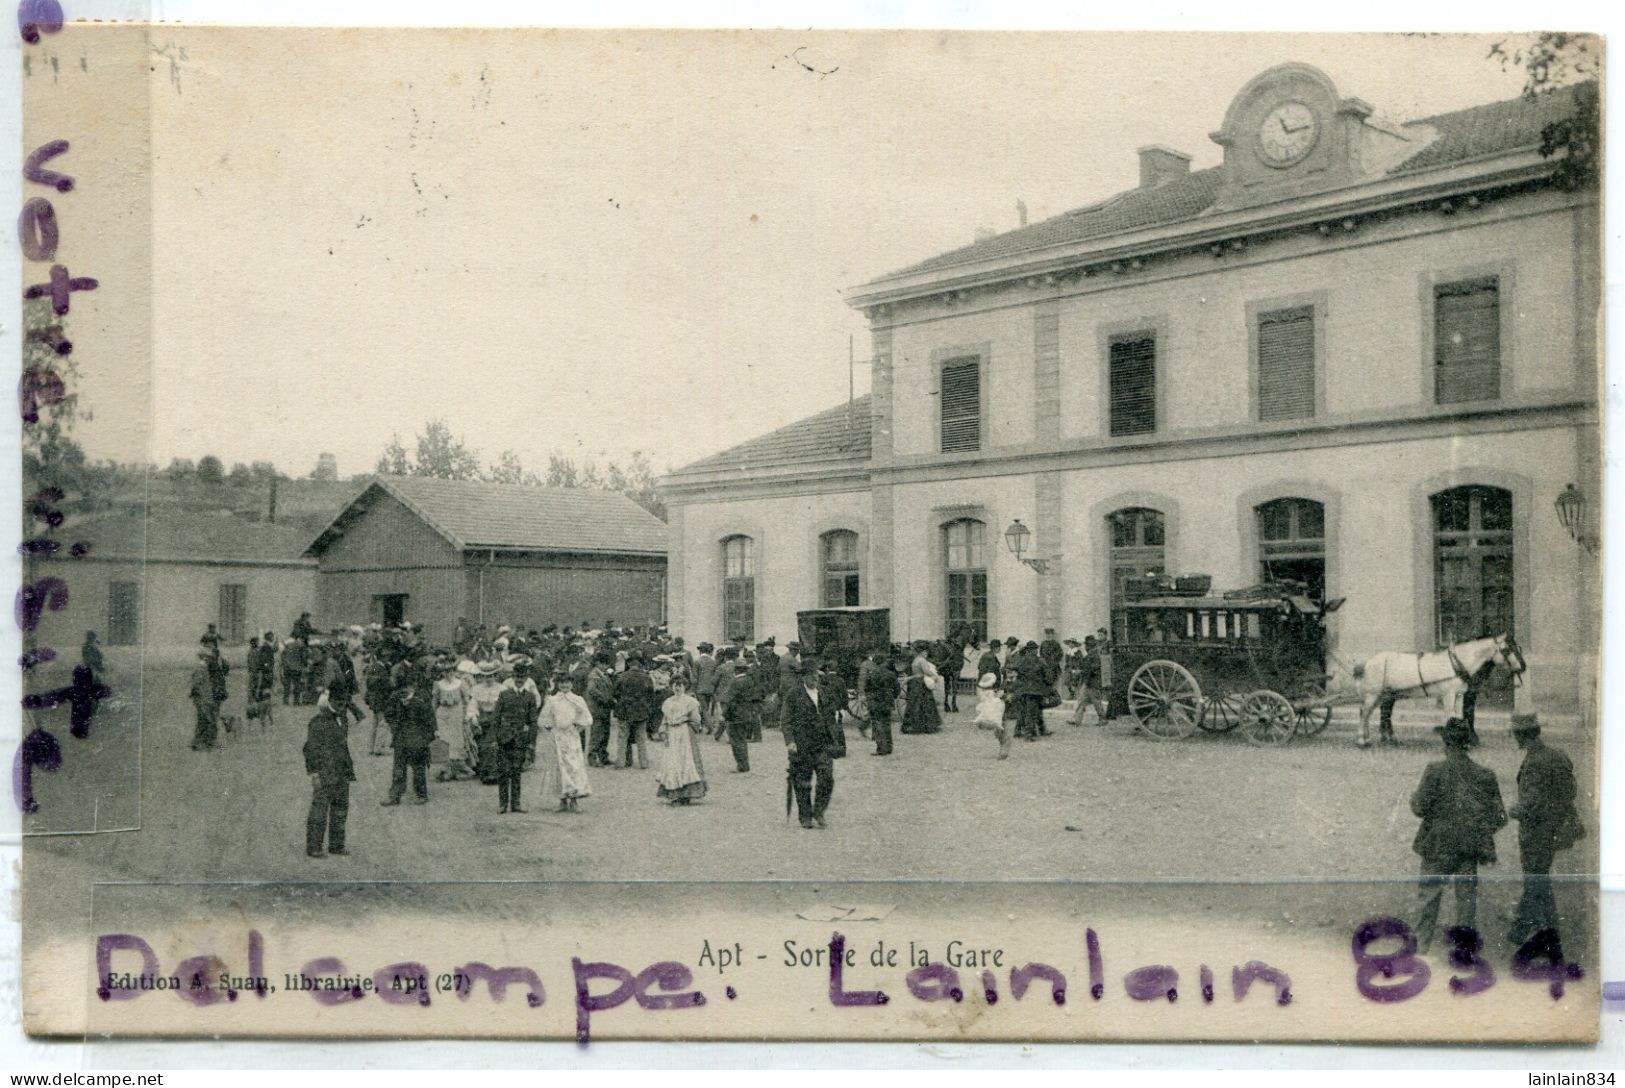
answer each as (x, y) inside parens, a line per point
(857, 707)
(1221, 713)
(1267, 718)
(1312, 719)
(1165, 699)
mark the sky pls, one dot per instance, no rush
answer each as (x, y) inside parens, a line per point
(599, 242)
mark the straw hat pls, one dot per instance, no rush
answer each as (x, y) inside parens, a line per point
(988, 680)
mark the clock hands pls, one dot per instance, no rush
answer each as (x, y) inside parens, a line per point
(1290, 129)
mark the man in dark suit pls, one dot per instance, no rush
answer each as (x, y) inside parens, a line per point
(515, 720)
(808, 721)
(1459, 803)
(634, 705)
(1032, 683)
(1547, 822)
(741, 714)
(412, 719)
(880, 691)
(327, 761)
(989, 662)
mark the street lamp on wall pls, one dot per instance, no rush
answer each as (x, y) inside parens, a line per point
(1571, 511)
(1017, 537)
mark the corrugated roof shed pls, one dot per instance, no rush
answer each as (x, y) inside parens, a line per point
(836, 434)
(1463, 135)
(514, 518)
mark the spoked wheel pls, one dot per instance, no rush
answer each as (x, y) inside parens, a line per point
(1165, 699)
(1312, 719)
(1267, 719)
(1221, 713)
(857, 706)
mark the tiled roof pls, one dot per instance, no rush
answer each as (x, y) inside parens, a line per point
(836, 434)
(166, 533)
(514, 518)
(1462, 135)
(1494, 128)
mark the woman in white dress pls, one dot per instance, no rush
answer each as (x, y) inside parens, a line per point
(682, 778)
(451, 722)
(564, 765)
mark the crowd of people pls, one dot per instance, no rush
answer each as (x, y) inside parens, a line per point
(567, 701)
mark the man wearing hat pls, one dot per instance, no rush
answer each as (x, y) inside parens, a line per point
(705, 682)
(880, 691)
(411, 719)
(634, 706)
(599, 689)
(1548, 821)
(515, 726)
(809, 723)
(1032, 683)
(207, 704)
(1092, 691)
(1459, 803)
(328, 763)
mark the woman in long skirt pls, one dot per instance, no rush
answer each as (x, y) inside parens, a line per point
(483, 700)
(682, 778)
(451, 722)
(563, 764)
(920, 714)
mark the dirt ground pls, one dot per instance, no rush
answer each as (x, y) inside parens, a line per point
(1088, 805)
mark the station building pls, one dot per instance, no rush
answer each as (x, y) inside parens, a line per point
(1358, 354)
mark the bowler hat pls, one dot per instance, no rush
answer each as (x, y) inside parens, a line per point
(1525, 725)
(988, 680)
(1454, 732)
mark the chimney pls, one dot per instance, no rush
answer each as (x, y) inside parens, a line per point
(327, 467)
(1159, 164)
(271, 513)
(1021, 211)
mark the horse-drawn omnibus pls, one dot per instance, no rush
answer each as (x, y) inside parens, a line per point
(1253, 661)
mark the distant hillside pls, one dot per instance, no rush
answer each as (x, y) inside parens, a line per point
(305, 505)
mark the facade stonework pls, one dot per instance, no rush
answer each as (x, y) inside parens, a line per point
(1363, 483)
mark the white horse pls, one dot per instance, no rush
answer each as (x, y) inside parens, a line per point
(1395, 674)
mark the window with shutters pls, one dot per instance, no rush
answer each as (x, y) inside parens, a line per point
(1467, 340)
(1286, 364)
(1132, 364)
(739, 589)
(964, 545)
(961, 404)
(840, 560)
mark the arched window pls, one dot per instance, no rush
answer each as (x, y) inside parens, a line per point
(964, 545)
(1292, 543)
(839, 551)
(739, 589)
(1137, 540)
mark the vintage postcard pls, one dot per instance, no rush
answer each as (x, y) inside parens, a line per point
(809, 534)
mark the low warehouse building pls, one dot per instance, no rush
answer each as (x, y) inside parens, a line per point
(434, 551)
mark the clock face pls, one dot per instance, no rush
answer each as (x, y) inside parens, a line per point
(1288, 134)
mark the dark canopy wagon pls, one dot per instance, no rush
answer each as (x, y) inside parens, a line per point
(1253, 660)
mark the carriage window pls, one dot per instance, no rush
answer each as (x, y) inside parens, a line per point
(739, 589)
(964, 544)
(840, 560)
(1292, 544)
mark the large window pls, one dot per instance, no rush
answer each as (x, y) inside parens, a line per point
(1292, 543)
(1132, 367)
(1467, 341)
(840, 562)
(739, 589)
(1472, 568)
(1286, 364)
(961, 404)
(123, 613)
(233, 614)
(965, 559)
(1138, 542)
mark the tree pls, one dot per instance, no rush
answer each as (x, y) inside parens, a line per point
(181, 468)
(1553, 60)
(438, 453)
(392, 462)
(264, 470)
(210, 470)
(509, 470)
(51, 457)
(239, 474)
